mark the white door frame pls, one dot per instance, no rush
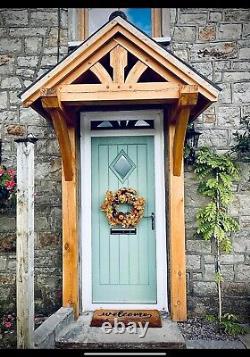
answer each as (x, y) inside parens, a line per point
(85, 199)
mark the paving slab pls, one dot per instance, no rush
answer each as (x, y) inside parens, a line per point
(245, 339)
(214, 344)
(81, 335)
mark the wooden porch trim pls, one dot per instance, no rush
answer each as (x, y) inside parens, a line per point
(176, 234)
(70, 244)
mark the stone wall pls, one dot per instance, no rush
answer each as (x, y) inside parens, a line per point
(28, 48)
(216, 42)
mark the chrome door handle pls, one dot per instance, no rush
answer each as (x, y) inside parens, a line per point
(152, 216)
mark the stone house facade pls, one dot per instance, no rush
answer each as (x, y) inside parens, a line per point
(216, 43)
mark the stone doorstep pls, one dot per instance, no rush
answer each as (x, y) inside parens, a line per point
(214, 344)
(80, 335)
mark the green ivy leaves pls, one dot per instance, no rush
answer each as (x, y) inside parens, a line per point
(216, 174)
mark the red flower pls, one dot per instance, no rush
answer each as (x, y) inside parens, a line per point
(7, 324)
(9, 185)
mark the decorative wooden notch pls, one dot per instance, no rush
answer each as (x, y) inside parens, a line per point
(119, 61)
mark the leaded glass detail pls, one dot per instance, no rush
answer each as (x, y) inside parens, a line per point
(122, 166)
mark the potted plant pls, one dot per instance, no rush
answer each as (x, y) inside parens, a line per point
(7, 187)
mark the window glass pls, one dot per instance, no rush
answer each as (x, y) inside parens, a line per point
(140, 17)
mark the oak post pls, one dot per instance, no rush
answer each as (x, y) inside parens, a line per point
(70, 232)
(176, 234)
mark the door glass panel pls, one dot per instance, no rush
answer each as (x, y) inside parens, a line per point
(122, 166)
(122, 124)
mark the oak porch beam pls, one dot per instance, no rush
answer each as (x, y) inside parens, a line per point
(70, 245)
(176, 235)
(128, 91)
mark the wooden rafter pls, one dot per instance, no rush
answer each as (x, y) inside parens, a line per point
(136, 71)
(101, 73)
(118, 61)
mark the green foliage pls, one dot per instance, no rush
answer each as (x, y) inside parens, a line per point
(228, 324)
(216, 174)
(242, 146)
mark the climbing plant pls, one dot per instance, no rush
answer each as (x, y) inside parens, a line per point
(242, 141)
(216, 174)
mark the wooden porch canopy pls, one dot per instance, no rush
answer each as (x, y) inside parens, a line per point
(119, 64)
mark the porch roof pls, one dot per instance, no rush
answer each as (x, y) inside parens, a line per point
(119, 28)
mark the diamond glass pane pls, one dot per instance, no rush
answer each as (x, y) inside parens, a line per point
(122, 166)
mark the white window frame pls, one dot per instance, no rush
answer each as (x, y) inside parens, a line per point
(78, 23)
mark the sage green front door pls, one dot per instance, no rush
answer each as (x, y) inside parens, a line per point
(123, 264)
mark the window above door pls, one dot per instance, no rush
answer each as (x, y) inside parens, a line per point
(85, 21)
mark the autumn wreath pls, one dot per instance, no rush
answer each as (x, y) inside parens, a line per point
(125, 196)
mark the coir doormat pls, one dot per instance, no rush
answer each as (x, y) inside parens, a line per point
(151, 316)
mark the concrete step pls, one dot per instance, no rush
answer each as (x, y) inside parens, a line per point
(80, 335)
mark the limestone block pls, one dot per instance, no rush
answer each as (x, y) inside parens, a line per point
(233, 15)
(192, 18)
(244, 53)
(207, 33)
(14, 99)
(214, 138)
(209, 259)
(209, 272)
(205, 68)
(231, 258)
(228, 116)
(235, 289)
(198, 246)
(26, 31)
(44, 18)
(3, 262)
(184, 33)
(242, 273)
(9, 45)
(3, 100)
(33, 45)
(15, 129)
(28, 115)
(7, 242)
(49, 60)
(204, 288)
(215, 16)
(229, 32)
(193, 262)
(27, 61)
(241, 65)
(236, 76)
(246, 30)
(7, 64)
(225, 95)
(217, 50)
(16, 17)
(221, 65)
(11, 83)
